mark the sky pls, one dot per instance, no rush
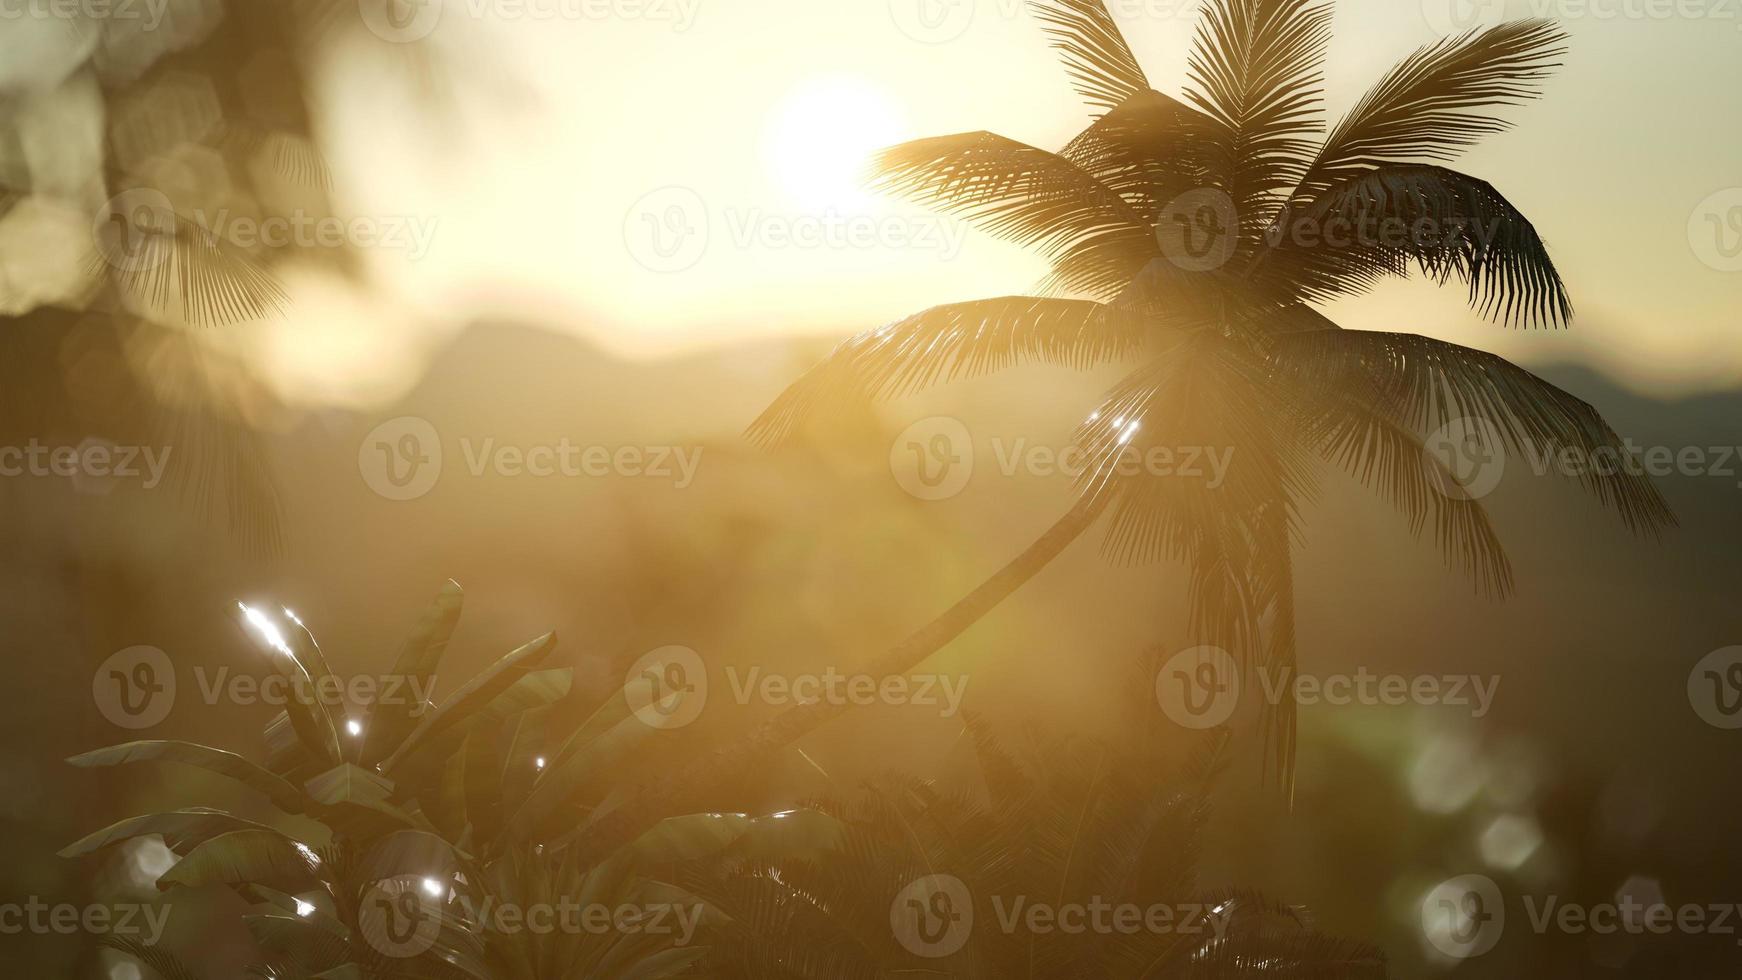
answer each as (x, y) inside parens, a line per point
(671, 175)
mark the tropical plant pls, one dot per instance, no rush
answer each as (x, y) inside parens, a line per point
(437, 812)
(1106, 837)
(1183, 236)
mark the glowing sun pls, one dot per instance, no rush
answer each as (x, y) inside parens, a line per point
(822, 135)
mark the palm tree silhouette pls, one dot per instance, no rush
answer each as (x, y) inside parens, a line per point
(1193, 237)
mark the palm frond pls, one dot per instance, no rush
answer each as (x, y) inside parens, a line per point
(1255, 73)
(1095, 239)
(1147, 150)
(1434, 103)
(1203, 394)
(1102, 68)
(1394, 463)
(195, 271)
(1423, 384)
(948, 342)
(1445, 222)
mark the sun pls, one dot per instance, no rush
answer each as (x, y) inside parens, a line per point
(821, 136)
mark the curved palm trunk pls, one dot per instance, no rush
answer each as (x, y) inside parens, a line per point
(732, 760)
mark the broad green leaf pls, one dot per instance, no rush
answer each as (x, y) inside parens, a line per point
(283, 794)
(482, 689)
(180, 829)
(247, 857)
(389, 723)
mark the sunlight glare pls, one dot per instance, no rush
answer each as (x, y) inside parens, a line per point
(820, 139)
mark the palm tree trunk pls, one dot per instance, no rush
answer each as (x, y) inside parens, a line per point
(731, 761)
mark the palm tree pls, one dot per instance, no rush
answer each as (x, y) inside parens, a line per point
(1229, 348)
(1065, 824)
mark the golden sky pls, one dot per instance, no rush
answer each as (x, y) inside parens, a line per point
(668, 174)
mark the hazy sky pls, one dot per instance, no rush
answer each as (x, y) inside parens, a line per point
(672, 173)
